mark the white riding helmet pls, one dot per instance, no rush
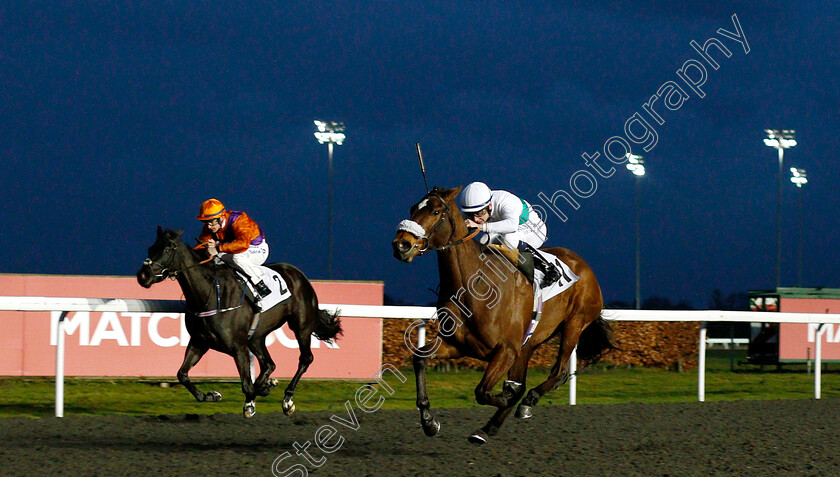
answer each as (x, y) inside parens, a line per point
(475, 197)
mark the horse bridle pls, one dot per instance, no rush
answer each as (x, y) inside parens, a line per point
(418, 231)
(164, 270)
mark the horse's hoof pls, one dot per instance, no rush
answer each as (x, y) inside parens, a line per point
(249, 410)
(213, 396)
(478, 438)
(432, 428)
(524, 412)
(288, 407)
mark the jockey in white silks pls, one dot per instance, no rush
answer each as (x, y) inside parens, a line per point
(513, 229)
(511, 225)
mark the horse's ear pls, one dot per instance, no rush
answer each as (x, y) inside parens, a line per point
(179, 233)
(159, 231)
(451, 194)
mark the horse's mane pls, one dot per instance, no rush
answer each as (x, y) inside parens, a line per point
(170, 234)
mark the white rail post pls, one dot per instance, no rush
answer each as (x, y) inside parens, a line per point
(701, 365)
(573, 377)
(59, 365)
(421, 335)
(818, 361)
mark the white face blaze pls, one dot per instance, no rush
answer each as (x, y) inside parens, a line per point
(423, 203)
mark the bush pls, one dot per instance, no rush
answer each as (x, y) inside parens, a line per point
(641, 343)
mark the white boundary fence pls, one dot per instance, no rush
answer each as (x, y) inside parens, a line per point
(118, 305)
(65, 305)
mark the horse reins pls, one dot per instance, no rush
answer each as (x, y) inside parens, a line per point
(164, 270)
(165, 273)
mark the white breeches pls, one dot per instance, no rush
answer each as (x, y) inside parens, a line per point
(534, 234)
(249, 260)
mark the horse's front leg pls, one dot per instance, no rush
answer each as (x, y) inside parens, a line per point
(262, 385)
(191, 357)
(502, 361)
(440, 349)
(243, 366)
(512, 391)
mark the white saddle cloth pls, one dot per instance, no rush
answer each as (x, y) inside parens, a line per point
(567, 277)
(279, 290)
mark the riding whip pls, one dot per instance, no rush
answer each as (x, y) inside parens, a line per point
(422, 166)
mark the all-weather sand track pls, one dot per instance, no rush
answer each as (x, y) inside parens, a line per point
(719, 438)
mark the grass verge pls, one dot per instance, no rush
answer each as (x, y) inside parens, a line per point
(35, 397)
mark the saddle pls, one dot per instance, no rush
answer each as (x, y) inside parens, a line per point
(274, 281)
(557, 277)
(524, 262)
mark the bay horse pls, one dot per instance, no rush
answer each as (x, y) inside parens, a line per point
(484, 313)
(210, 287)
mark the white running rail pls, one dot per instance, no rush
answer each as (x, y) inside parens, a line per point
(33, 303)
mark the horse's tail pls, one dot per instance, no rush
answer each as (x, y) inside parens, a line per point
(595, 340)
(327, 326)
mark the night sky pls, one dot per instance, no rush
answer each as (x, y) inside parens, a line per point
(119, 118)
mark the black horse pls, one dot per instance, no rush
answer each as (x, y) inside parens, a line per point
(214, 290)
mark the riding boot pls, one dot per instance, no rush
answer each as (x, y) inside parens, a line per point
(550, 272)
(262, 289)
(523, 260)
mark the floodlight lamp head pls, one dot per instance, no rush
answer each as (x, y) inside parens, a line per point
(636, 169)
(635, 158)
(780, 138)
(330, 132)
(329, 137)
(799, 176)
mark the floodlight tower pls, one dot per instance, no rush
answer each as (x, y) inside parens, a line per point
(800, 178)
(636, 165)
(331, 133)
(779, 139)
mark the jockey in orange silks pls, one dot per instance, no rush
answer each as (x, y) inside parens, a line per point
(236, 239)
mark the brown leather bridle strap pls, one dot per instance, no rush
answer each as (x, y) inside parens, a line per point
(447, 214)
(459, 241)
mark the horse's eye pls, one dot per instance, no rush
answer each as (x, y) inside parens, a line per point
(437, 212)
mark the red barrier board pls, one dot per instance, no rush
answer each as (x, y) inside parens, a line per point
(797, 341)
(153, 344)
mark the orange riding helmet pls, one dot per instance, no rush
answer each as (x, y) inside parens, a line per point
(211, 209)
